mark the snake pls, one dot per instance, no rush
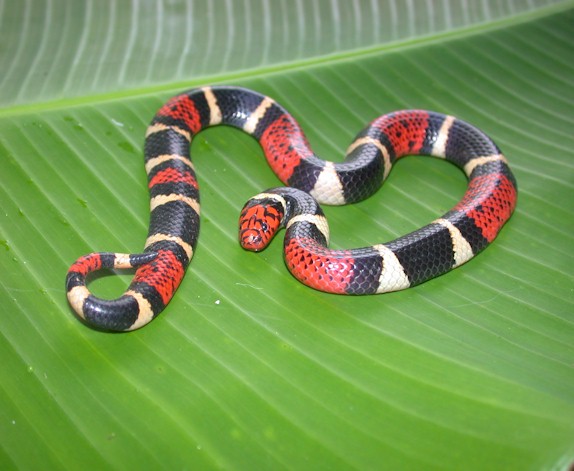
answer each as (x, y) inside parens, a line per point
(446, 243)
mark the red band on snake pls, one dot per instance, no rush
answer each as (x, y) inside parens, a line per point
(414, 258)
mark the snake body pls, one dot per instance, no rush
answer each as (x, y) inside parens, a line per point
(174, 202)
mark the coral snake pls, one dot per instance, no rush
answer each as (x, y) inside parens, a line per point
(440, 246)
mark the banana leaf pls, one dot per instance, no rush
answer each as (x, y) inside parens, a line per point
(247, 369)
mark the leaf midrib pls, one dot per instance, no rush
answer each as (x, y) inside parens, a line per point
(282, 67)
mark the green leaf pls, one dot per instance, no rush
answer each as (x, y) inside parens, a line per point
(247, 368)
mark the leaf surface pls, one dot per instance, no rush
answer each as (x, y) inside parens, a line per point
(247, 368)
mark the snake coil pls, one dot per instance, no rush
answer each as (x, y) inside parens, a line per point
(442, 245)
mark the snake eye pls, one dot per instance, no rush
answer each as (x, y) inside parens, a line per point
(264, 227)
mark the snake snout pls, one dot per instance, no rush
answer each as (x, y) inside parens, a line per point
(251, 239)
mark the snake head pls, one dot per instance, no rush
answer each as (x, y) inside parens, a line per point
(259, 221)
